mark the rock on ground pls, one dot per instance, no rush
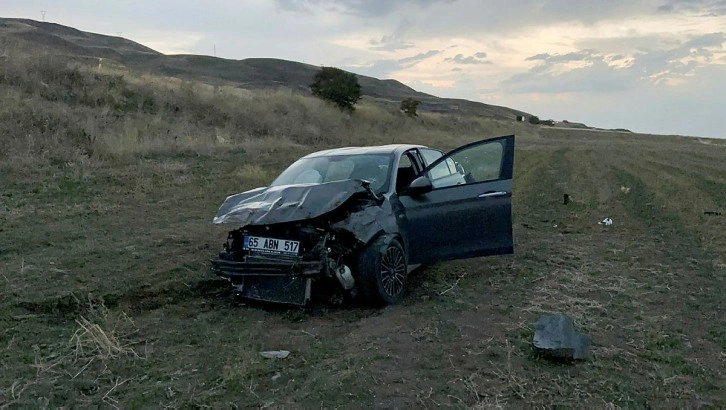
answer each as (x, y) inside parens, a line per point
(555, 336)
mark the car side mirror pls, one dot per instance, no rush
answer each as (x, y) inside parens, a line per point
(419, 186)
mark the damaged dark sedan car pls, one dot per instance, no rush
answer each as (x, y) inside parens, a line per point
(360, 218)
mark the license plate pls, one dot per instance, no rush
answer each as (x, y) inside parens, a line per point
(271, 246)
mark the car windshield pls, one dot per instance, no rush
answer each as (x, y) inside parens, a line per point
(374, 168)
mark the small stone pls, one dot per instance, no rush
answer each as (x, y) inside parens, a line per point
(275, 354)
(555, 336)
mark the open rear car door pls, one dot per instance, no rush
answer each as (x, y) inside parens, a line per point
(460, 206)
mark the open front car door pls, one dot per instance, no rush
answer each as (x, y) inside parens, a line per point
(460, 206)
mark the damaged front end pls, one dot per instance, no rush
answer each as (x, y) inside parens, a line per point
(293, 236)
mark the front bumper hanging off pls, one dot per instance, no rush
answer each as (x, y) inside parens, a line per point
(270, 281)
(239, 270)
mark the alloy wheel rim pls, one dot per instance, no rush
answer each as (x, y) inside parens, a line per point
(393, 271)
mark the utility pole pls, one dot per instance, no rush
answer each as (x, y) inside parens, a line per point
(215, 49)
(42, 15)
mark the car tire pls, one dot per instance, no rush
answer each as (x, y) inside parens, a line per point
(382, 272)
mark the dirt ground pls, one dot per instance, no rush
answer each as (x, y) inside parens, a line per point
(106, 298)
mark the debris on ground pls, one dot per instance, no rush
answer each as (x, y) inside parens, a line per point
(606, 221)
(275, 354)
(714, 213)
(555, 336)
(624, 189)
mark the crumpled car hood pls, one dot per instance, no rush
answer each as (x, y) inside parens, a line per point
(286, 203)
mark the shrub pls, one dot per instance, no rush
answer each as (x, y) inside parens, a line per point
(534, 119)
(337, 86)
(409, 106)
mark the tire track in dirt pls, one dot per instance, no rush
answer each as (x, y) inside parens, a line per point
(684, 196)
(711, 181)
(680, 295)
(136, 301)
(593, 273)
(559, 266)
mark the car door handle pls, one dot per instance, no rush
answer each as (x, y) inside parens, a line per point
(494, 194)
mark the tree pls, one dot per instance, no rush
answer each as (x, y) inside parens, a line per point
(409, 106)
(337, 86)
(534, 119)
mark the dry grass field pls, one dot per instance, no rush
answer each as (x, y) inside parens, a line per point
(105, 232)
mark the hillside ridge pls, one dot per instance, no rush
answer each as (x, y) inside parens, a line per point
(253, 73)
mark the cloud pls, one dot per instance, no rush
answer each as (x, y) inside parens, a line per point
(467, 18)
(390, 43)
(395, 41)
(293, 5)
(594, 71)
(668, 64)
(559, 58)
(703, 7)
(170, 43)
(597, 77)
(383, 68)
(477, 58)
(418, 57)
(361, 8)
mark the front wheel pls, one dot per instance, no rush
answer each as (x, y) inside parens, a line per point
(382, 272)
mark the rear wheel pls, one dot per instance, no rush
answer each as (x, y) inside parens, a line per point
(382, 271)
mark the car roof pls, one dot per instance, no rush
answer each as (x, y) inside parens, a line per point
(379, 149)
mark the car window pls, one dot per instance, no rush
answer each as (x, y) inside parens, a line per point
(430, 155)
(339, 170)
(405, 162)
(406, 172)
(374, 168)
(439, 173)
(479, 163)
(445, 174)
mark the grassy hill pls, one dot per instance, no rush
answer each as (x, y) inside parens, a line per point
(109, 179)
(253, 73)
(52, 106)
(58, 39)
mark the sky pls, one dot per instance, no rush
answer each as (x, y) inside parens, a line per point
(654, 66)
